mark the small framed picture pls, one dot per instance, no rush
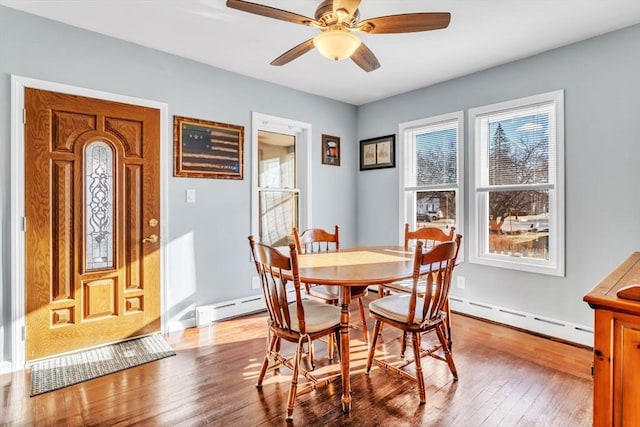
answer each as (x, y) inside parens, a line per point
(378, 153)
(206, 149)
(330, 150)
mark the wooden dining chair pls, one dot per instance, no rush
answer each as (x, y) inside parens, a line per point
(299, 321)
(418, 315)
(429, 236)
(318, 240)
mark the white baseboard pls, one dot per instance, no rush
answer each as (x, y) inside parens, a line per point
(203, 315)
(5, 367)
(561, 329)
(181, 325)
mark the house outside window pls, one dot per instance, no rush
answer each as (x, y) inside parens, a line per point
(517, 210)
(431, 173)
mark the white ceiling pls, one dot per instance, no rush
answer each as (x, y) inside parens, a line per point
(482, 34)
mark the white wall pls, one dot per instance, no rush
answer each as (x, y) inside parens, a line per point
(602, 141)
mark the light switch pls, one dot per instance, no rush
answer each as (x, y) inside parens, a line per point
(191, 196)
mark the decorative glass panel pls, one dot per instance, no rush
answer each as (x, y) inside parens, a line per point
(98, 208)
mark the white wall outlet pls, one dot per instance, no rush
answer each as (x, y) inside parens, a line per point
(461, 283)
(255, 282)
(191, 196)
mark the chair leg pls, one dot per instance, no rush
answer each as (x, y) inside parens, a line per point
(448, 323)
(293, 388)
(381, 293)
(312, 355)
(447, 352)
(363, 318)
(403, 344)
(372, 345)
(265, 363)
(419, 375)
(330, 339)
(277, 350)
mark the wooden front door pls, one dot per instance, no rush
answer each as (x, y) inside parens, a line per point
(92, 206)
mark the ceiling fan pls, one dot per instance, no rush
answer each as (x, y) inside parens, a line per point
(338, 21)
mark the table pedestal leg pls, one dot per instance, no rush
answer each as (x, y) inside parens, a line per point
(344, 348)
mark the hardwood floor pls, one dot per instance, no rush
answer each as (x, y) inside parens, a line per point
(507, 378)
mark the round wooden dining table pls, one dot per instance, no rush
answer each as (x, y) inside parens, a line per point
(354, 267)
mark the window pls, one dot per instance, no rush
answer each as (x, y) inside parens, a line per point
(281, 198)
(517, 211)
(277, 190)
(431, 156)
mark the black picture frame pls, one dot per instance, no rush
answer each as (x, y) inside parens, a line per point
(206, 149)
(330, 150)
(378, 153)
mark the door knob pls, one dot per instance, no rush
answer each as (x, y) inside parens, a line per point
(151, 239)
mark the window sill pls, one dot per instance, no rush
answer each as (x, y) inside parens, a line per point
(514, 262)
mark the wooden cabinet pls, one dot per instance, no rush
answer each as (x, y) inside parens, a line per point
(616, 351)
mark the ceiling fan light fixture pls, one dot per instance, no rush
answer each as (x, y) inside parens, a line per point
(336, 44)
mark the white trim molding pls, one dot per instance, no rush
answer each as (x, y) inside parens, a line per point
(204, 315)
(555, 328)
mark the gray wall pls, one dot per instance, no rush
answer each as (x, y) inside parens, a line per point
(601, 80)
(219, 223)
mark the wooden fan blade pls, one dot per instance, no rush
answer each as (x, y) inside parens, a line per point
(365, 59)
(405, 23)
(293, 53)
(349, 5)
(270, 12)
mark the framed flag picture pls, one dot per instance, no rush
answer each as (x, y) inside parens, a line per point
(206, 149)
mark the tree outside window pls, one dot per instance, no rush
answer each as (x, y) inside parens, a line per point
(518, 208)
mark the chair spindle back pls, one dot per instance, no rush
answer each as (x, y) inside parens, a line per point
(432, 270)
(271, 264)
(429, 236)
(316, 240)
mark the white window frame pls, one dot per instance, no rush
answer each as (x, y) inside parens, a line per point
(302, 133)
(406, 150)
(478, 215)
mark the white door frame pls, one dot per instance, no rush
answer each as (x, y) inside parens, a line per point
(18, 85)
(302, 132)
